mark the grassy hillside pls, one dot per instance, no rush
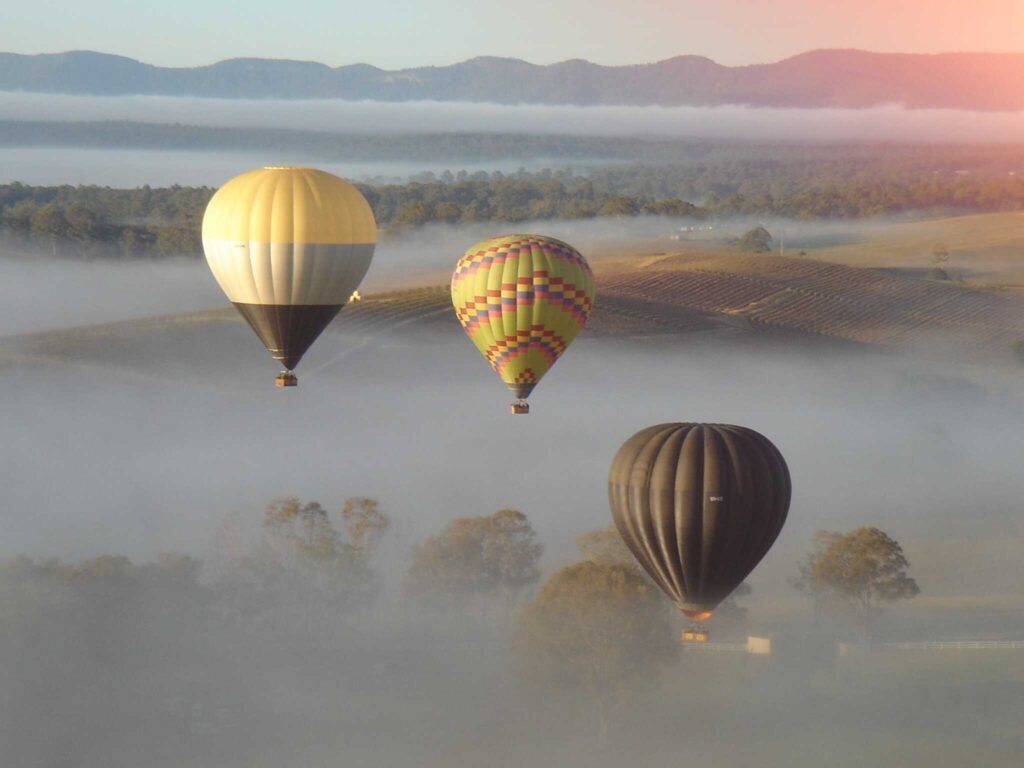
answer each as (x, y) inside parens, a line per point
(737, 295)
(799, 295)
(984, 250)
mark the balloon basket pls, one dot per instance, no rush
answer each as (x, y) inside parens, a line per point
(286, 379)
(519, 406)
(694, 635)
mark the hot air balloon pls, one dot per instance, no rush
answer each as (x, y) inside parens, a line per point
(522, 299)
(698, 505)
(288, 246)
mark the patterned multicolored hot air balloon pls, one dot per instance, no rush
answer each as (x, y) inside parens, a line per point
(288, 246)
(522, 299)
(698, 505)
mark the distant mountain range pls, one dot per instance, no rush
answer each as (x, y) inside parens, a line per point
(825, 78)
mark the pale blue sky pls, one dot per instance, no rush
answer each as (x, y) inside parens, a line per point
(398, 33)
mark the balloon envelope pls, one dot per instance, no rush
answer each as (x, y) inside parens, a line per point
(699, 506)
(288, 246)
(522, 299)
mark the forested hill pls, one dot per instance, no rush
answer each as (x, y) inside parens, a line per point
(824, 78)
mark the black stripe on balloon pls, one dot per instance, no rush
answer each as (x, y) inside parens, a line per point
(288, 330)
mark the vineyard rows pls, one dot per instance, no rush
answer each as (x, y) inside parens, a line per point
(857, 304)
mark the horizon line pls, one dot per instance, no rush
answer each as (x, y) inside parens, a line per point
(571, 60)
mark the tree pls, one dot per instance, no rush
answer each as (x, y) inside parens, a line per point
(132, 241)
(299, 532)
(940, 255)
(411, 214)
(597, 628)
(49, 221)
(859, 570)
(19, 216)
(477, 556)
(364, 523)
(83, 223)
(605, 547)
(756, 240)
(447, 212)
(618, 206)
(304, 572)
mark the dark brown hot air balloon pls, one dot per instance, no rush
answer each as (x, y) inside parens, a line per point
(698, 505)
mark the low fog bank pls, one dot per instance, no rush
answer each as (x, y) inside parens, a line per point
(890, 123)
(41, 293)
(172, 438)
(429, 252)
(38, 293)
(191, 429)
(177, 442)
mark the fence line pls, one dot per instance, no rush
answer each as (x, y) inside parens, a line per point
(847, 648)
(727, 647)
(952, 645)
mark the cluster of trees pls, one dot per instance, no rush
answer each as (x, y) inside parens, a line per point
(306, 571)
(696, 182)
(477, 557)
(858, 572)
(756, 240)
(598, 629)
(829, 182)
(91, 221)
(466, 198)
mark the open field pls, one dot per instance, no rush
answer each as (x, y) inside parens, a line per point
(760, 298)
(739, 338)
(855, 304)
(161, 429)
(984, 249)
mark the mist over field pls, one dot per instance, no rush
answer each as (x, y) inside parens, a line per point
(384, 568)
(407, 420)
(167, 436)
(150, 442)
(869, 436)
(39, 293)
(890, 123)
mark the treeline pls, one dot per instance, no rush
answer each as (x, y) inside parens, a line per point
(818, 184)
(90, 220)
(282, 642)
(833, 188)
(481, 197)
(290, 636)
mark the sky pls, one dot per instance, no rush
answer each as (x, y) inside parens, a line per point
(405, 33)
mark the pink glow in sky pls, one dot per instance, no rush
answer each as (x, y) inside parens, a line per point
(748, 31)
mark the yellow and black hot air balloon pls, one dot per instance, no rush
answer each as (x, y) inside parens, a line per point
(699, 506)
(288, 246)
(522, 299)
